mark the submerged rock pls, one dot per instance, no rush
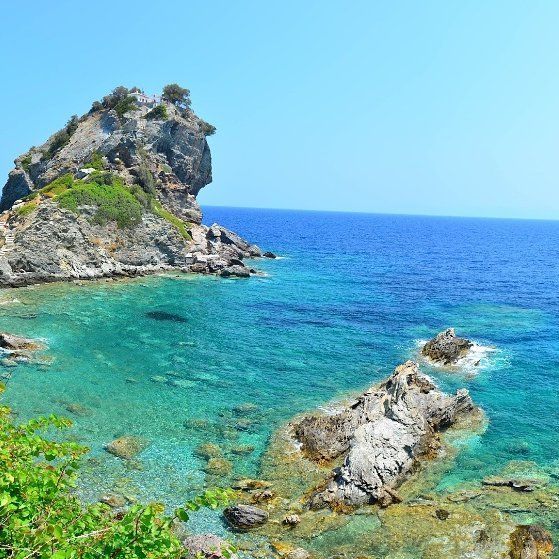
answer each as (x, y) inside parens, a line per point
(245, 517)
(382, 435)
(530, 542)
(208, 546)
(126, 447)
(446, 347)
(14, 343)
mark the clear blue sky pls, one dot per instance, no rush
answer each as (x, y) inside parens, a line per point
(447, 108)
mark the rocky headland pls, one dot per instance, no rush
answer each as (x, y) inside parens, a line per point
(114, 194)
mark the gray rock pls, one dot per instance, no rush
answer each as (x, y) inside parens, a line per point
(245, 517)
(446, 348)
(205, 545)
(381, 434)
(235, 271)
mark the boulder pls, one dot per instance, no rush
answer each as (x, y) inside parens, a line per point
(235, 271)
(269, 254)
(381, 435)
(530, 542)
(245, 517)
(126, 447)
(446, 347)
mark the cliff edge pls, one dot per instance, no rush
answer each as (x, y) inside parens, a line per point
(114, 194)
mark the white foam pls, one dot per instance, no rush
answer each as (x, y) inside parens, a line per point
(477, 359)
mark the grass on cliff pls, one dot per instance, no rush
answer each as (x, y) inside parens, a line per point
(113, 199)
(41, 517)
(180, 225)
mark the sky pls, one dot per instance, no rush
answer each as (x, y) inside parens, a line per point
(431, 107)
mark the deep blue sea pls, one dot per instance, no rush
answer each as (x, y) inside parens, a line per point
(350, 298)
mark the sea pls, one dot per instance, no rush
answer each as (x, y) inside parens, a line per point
(175, 359)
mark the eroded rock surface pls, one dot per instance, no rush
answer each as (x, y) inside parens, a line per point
(382, 434)
(530, 542)
(12, 342)
(446, 347)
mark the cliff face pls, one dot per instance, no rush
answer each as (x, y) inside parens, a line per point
(114, 193)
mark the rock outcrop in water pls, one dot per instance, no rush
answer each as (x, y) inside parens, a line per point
(382, 435)
(114, 194)
(446, 347)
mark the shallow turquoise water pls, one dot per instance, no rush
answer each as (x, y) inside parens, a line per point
(350, 300)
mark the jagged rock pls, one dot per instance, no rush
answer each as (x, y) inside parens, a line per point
(17, 343)
(269, 254)
(209, 546)
(126, 447)
(245, 517)
(168, 159)
(446, 348)
(530, 542)
(382, 434)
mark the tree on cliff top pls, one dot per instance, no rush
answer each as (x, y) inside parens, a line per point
(179, 96)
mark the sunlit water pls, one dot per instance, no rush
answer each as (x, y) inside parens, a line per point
(350, 298)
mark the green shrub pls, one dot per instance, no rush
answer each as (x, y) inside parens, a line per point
(180, 225)
(25, 163)
(126, 105)
(41, 517)
(158, 113)
(27, 208)
(61, 138)
(207, 128)
(58, 186)
(179, 96)
(114, 202)
(95, 162)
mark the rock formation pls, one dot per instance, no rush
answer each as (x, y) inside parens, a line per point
(530, 542)
(114, 194)
(446, 347)
(382, 434)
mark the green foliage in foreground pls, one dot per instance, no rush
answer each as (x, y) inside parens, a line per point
(113, 200)
(180, 225)
(41, 518)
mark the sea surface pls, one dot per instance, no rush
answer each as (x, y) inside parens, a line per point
(175, 359)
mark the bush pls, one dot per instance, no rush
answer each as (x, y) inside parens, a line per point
(179, 96)
(95, 162)
(41, 517)
(158, 113)
(207, 128)
(27, 208)
(61, 138)
(25, 163)
(126, 105)
(58, 186)
(114, 201)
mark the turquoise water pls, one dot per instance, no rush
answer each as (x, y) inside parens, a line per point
(350, 299)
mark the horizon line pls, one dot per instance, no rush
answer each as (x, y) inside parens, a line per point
(395, 214)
